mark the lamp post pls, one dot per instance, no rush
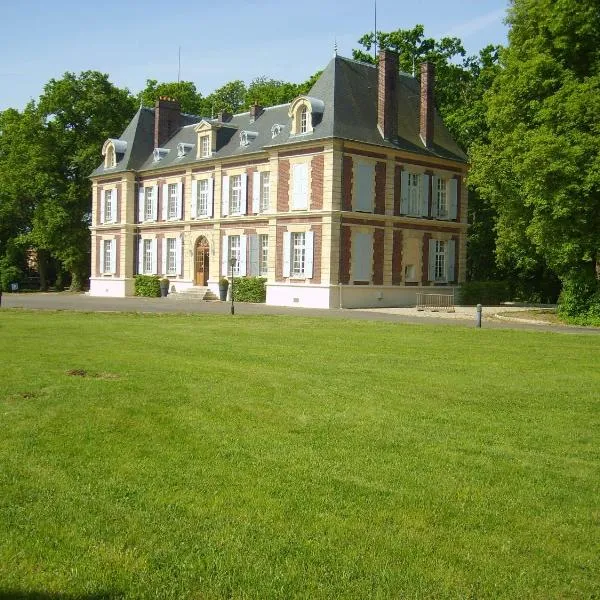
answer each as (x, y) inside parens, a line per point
(232, 262)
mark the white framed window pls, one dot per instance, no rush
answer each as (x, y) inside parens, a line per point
(202, 205)
(108, 206)
(108, 262)
(205, 146)
(171, 262)
(235, 194)
(439, 261)
(263, 258)
(415, 188)
(110, 160)
(148, 256)
(298, 242)
(303, 119)
(298, 248)
(442, 261)
(172, 201)
(265, 187)
(441, 198)
(149, 203)
(234, 252)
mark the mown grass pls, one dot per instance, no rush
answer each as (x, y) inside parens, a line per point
(202, 456)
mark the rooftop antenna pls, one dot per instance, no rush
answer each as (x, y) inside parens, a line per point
(179, 66)
(375, 37)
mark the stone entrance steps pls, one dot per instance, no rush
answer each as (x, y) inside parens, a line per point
(195, 293)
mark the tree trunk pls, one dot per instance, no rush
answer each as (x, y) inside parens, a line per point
(42, 266)
(76, 282)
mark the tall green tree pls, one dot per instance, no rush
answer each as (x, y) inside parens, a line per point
(184, 92)
(540, 165)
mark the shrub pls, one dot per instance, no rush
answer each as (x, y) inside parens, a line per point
(484, 292)
(9, 274)
(579, 301)
(250, 289)
(147, 285)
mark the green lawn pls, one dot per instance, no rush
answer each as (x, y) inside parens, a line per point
(274, 457)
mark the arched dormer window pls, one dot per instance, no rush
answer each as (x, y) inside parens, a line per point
(113, 151)
(110, 159)
(160, 153)
(306, 113)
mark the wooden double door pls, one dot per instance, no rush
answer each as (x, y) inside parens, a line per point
(201, 261)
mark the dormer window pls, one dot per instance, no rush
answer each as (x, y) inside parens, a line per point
(113, 151)
(306, 113)
(110, 159)
(204, 146)
(247, 136)
(183, 149)
(303, 119)
(160, 153)
(276, 130)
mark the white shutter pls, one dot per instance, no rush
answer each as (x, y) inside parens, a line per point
(256, 192)
(165, 201)
(243, 254)
(309, 249)
(102, 206)
(225, 256)
(164, 257)
(180, 200)
(362, 256)
(211, 189)
(140, 256)
(287, 236)
(179, 256)
(101, 269)
(154, 255)
(403, 192)
(225, 195)
(300, 187)
(431, 260)
(113, 256)
(451, 260)
(194, 205)
(364, 187)
(254, 254)
(453, 191)
(244, 194)
(155, 202)
(434, 204)
(141, 196)
(113, 206)
(425, 196)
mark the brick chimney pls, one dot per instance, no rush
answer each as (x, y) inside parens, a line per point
(387, 95)
(427, 103)
(255, 111)
(224, 116)
(167, 119)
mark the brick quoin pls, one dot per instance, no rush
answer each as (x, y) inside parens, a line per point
(425, 271)
(317, 168)
(99, 204)
(279, 253)
(345, 249)
(347, 177)
(317, 246)
(249, 192)
(283, 201)
(397, 258)
(117, 256)
(98, 242)
(397, 189)
(378, 257)
(430, 203)
(458, 196)
(119, 200)
(456, 256)
(380, 188)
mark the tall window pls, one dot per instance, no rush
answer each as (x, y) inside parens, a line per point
(414, 193)
(202, 207)
(442, 198)
(147, 263)
(298, 242)
(108, 200)
(264, 191)
(235, 194)
(172, 201)
(171, 256)
(205, 146)
(107, 266)
(110, 157)
(234, 252)
(263, 259)
(303, 119)
(439, 270)
(148, 201)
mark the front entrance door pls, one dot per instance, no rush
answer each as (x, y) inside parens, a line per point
(202, 255)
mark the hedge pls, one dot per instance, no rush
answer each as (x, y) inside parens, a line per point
(147, 285)
(250, 289)
(484, 292)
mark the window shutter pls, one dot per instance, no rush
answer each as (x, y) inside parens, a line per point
(101, 270)
(403, 192)
(362, 256)
(287, 237)
(254, 254)
(364, 188)
(453, 191)
(140, 256)
(309, 249)
(225, 196)
(211, 190)
(244, 194)
(180, 200)
(141, 196)
(432, 260)
(425, 196)
(102, 206)
(155, 202)
(225, 256)
(154, 255)
(300, 187)
(256, 192)
(164, 256)
(243, 256)
(113, 256)
(434, 206)
(165, 201)
(451, 260)
(179, 256)
(194, 205)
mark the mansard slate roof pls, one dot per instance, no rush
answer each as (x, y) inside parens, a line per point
(348, 90)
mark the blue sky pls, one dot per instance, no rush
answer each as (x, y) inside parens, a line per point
(134, 40)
